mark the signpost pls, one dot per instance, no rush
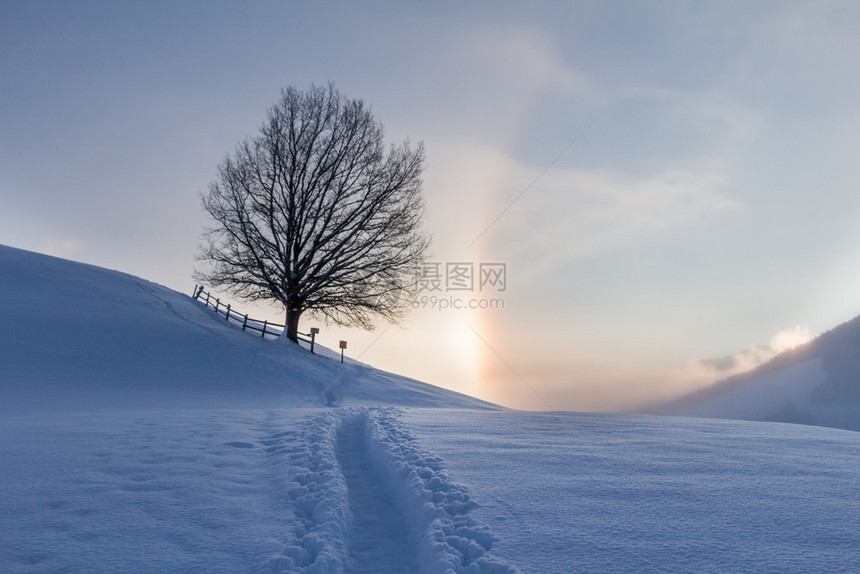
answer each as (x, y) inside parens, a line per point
(314, 331)
(342, 347)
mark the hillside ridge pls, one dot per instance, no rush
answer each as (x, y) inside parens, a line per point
(815, 383)
(76, 335)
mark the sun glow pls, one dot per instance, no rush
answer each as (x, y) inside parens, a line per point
(465, 351)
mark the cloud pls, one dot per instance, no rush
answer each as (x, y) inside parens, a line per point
(570, 214)
(701, 372)
(791, 338)
(523, 59)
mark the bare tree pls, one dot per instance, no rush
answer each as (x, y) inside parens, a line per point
(316, 213)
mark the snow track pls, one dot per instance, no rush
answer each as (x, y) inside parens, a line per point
(367, 499)
(379, 540)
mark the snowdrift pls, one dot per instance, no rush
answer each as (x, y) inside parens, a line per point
(78, 336)
(816, 384)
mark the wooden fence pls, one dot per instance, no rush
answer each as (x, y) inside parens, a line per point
(265, 328)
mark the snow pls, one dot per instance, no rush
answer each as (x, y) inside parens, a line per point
(607, 493)
(161, 491)
(77, 335)
(140, 433)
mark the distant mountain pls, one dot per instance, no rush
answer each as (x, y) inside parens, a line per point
(817, 383)
(78, 336)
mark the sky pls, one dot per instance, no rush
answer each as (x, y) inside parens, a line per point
(670, 188)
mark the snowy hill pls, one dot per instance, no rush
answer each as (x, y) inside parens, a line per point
(817, 383)
(82, 336)
(140, 433)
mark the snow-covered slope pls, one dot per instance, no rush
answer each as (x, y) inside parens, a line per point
(423, 490)
(817, 383)
(140, 433)
(75, 335)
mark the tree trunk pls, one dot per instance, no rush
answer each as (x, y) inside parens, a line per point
(291, 330)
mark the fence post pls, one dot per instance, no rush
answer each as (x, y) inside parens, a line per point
(266, 322)
(217, 304)
(194, 293)
(245, 322)
(228, 312)
(207, 299)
